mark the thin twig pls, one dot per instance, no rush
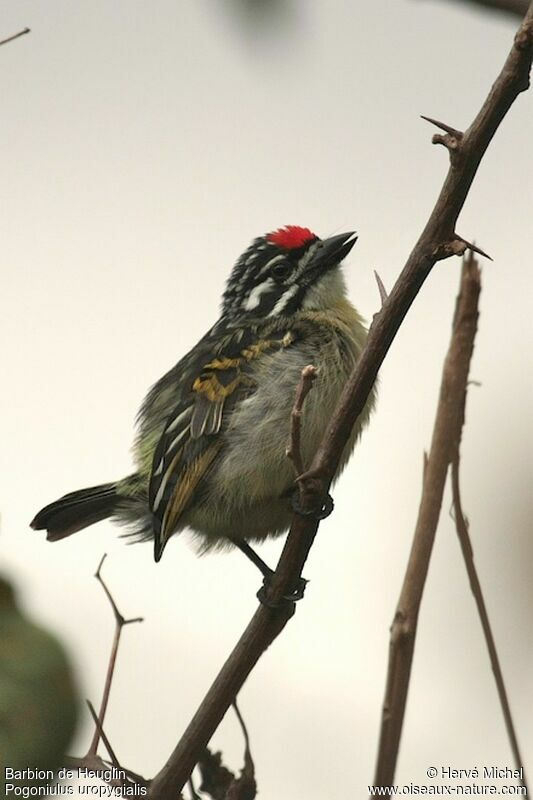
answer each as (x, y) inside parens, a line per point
(120, 622)
(247, 752)
(103, 736)
(125, 778)
(267, 622)
(194, 794)
(293, 451)
(244, 787)
(448, 422)
(15, 36)
(98, 764)
(461, 526)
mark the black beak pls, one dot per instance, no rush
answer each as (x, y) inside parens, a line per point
(331, 252)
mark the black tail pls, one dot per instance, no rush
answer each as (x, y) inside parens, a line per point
(76, 510)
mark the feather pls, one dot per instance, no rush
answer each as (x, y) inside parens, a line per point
(193, 433)
(200, 415)
(76, 511)
(184, 489)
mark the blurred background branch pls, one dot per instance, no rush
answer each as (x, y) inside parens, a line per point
(446, 435)
(461, 525)
(516, 7)
(444, 455)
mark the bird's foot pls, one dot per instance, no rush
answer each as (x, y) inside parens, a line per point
(291, 597)
(320, 513)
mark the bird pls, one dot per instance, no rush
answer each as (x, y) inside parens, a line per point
(212, 433)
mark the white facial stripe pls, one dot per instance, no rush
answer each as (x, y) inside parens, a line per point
(255, 295)
(284, 299)
(270, 263)
(304, 261)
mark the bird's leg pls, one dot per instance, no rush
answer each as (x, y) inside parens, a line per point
(267, 573)
(250, 553)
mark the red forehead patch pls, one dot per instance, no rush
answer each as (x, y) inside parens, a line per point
(290, 237)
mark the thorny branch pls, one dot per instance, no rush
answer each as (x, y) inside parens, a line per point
(437, 237)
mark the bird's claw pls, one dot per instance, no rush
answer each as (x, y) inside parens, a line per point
(321, 513)
(290, 597)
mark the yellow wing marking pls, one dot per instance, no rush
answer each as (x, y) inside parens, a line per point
(255, 350)
(223, 363)
(185, 487)
(214, 389)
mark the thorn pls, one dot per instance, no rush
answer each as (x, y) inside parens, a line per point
(443, 127)
(381, 286)
(457, 247)
(15, 36)
(474, 248)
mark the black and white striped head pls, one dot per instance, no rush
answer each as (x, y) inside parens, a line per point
(285, 271)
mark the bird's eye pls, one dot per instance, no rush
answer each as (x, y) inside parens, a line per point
(280, 270)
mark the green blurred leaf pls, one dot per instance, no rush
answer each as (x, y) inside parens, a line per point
(38, 697)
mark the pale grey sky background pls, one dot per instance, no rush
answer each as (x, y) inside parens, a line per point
(144, 145)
